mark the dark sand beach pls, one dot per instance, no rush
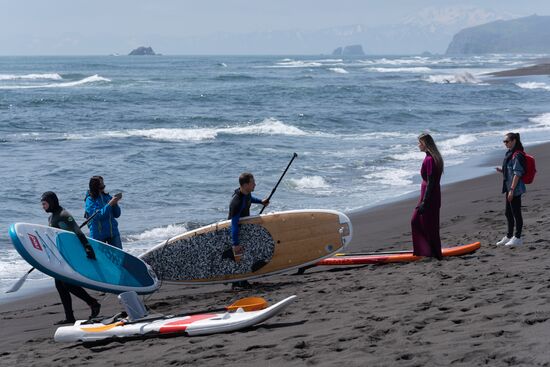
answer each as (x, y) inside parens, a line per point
(488, 308)
(539, 69)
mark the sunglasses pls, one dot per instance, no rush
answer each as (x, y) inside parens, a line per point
(506, 141)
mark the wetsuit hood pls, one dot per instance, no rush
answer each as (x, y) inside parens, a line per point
(51, 198)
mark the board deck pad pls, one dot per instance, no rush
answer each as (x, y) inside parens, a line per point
(212, 248)
(272, 243)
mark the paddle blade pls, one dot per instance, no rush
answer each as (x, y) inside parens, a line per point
(19, 283)
(249, 304)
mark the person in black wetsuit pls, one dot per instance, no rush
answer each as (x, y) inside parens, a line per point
(60, 218)
(240, 207)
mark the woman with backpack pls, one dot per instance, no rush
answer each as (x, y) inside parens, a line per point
(513, 169)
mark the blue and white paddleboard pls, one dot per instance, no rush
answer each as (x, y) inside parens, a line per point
(60, 254)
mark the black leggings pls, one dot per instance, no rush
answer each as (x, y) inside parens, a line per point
(65, 290)
(513, 214)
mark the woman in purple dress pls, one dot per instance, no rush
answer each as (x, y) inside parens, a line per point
(425, 219)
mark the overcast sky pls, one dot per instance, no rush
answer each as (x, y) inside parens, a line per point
(24, 22)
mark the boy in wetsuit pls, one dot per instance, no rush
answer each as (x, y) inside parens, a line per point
(60, 218)
(240, 207)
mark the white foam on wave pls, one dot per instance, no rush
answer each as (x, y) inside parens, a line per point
(339, 70)
(295, 64)
(449, 146)
(164, 134)
(534, 85)
(391, 176)
(460, 78)
(158, 234)
(269, 126)
(48, 76)
(419, 69)
(408, 156)
(91, 79)
(330, 61)
(541, 120)
(12, 266)
(416, 60)
(309, 183)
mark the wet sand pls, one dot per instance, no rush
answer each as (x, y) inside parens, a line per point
(488, 308)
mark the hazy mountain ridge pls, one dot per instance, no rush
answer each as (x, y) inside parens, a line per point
(523, 35)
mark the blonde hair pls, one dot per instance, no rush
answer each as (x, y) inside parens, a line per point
(432, 149)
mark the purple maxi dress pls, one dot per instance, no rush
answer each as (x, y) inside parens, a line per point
(425, 226)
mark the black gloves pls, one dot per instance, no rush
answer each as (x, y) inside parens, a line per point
(90, 254)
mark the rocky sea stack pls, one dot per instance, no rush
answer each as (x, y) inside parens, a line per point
(148, 51)
(353, 50)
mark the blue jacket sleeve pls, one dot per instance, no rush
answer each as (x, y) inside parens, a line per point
(235, 229)
(255, 200)
(93, 205)
(116, 211)
(518, 164)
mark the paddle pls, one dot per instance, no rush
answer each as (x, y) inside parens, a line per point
(247, 304)
(374, 253)
(19, 283)
(280, 179)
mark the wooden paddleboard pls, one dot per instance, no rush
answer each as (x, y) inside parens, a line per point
(352, 259)
(60, 254)
(272, 243)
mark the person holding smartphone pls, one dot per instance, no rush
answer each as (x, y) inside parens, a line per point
(104, 226)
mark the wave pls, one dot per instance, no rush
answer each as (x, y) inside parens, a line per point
(533, 85)
(541, 120)
(49, 76)
(391, 176)
(448, 146)
(339, 70)
(91, 79)
(417, 60)
(329, 61)
(296, 64)
(460, 78)
(308, 183)
(419, 69)
(158, 234)
(269, 126)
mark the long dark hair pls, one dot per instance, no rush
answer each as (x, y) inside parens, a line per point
(518, 145)
(96, 186)
(432, 149)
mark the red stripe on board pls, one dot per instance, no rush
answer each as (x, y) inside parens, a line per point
(181, 325)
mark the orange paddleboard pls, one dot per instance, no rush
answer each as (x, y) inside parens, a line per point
(398, 257)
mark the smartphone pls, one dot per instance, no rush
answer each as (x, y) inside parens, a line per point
(118, 195)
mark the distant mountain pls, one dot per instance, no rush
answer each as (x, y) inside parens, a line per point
(523, 35)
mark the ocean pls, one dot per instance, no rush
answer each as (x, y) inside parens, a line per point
(173, 133)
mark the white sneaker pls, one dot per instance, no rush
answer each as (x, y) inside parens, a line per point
(514, 242)
(503, 241)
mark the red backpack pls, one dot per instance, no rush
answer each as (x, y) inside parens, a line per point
(530, 168)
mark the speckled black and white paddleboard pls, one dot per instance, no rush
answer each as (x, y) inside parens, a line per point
(272, 243)
(210, 255)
